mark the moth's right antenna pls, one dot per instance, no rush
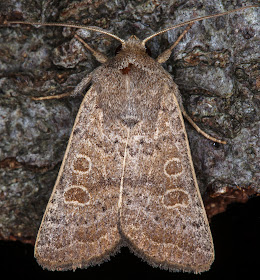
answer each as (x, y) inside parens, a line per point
(194, 20)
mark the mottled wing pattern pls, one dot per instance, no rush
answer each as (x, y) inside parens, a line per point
(79, 227)
(162, 215)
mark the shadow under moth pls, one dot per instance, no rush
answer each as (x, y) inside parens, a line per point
(127, 177)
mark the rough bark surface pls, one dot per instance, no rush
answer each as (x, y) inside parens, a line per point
(215, 67)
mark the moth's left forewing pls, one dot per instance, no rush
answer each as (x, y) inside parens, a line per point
(162, 216)
(79, 227)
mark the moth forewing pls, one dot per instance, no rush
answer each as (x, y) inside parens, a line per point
(163, 217)
(79, 227)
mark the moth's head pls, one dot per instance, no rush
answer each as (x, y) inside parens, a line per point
(133, 44)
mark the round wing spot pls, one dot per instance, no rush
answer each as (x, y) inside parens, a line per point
(82, 164)
(173, 167)
(77, 195)
(175, 198)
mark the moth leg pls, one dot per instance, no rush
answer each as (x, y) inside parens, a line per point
(188, 118)
(78, 90)
(82, 85)
(58, 96)
(100, 57)
(163, 57)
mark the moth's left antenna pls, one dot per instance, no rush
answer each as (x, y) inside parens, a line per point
(91, 28)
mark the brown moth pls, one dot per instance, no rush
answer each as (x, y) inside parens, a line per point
(127, 177)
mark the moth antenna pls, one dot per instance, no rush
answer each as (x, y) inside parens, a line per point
(91, 28)
(194, 20)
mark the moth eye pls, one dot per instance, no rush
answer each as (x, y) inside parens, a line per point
(118, 49)
(148, 51)
(216, 145)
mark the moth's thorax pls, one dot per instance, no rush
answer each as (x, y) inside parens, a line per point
(130, 85)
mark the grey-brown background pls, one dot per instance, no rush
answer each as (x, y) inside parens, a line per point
(215, 67)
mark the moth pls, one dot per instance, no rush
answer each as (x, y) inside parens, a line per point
(127, 177)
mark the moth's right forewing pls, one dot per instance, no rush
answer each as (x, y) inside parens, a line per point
(79, 227)
(162, 216)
